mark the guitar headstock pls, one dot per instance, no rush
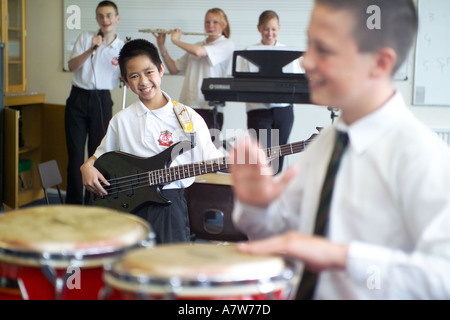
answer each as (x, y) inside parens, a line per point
(311, 138)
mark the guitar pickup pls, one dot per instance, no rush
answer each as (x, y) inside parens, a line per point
(114, 189)
(135, 182)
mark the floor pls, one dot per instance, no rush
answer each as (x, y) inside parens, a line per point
(53, 198)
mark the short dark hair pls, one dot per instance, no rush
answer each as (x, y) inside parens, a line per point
(108, 4)
(138, 47)
(398, 25)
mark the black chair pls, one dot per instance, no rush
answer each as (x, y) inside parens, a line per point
(50, 177)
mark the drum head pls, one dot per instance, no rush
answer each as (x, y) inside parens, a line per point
(65, 232)
(196, 269)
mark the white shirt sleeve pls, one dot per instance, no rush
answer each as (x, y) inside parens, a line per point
(219, 51)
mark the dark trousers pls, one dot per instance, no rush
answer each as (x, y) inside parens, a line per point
(214, 121)
(87, 116)
(211, 119)
(169, 222)
(281, 119)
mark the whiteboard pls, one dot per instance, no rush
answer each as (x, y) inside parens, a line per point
(432, 62)
(189, 17)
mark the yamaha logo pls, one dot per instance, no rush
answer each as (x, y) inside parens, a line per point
(219, 86)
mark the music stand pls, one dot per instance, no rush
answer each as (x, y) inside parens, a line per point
(269, 62)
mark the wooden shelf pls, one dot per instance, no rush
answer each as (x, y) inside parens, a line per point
(27, 109)
(28, 149)
(23, 98)
(44, 139)
(27, 196)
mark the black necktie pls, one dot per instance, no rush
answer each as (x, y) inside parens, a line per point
(307, 285)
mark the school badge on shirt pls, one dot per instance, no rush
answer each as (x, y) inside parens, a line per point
(165, 138)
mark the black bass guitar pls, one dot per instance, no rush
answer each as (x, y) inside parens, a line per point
(135, 181)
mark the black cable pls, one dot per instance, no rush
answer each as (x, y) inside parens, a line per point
(97, 94)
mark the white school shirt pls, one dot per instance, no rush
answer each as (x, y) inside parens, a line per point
(216, 64)
(105, 63)
(145, 133)
(391, 204)
(244, 65)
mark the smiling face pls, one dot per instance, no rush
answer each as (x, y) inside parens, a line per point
(144, 79)
(269, 32)
(107, 19)
(339, 75)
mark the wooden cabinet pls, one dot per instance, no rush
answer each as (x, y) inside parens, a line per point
(34, 133)
(13, 34)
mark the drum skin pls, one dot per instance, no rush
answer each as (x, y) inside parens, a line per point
(59, 251)
(200, 271)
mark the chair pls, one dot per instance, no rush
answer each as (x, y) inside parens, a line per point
(50, 177)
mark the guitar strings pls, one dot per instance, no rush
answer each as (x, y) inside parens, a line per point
(164, 176)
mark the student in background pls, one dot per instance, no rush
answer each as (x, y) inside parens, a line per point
(386, 235)
(208, 58)
(94, 61)
(145, 129)
(272, 122)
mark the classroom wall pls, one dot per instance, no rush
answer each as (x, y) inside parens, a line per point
(45, 74)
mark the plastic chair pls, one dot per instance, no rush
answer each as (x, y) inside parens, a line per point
(50, 177)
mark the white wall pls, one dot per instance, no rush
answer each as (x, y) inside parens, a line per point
(45, 74)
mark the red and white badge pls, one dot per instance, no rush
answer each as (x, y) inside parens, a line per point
(165, 138)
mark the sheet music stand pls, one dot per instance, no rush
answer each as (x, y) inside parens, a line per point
(269, 62)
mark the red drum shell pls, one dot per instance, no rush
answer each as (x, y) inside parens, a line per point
(59, 251)
(203, 271)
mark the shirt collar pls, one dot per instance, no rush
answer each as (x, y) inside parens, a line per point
(117, 43)
(371, 128)
(141, 109)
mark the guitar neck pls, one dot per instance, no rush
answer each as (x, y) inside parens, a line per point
(286, 149)
(171, 174)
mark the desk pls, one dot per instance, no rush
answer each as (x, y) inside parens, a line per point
(215, 178)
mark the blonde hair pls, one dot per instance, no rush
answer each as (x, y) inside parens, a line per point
(223, 19)
(266, 16)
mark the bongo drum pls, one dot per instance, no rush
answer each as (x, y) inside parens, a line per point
(59, 251)
(204, 271)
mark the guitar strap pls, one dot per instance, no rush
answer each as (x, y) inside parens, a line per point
(185, 121)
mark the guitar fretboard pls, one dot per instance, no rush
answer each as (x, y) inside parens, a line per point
(171, 174)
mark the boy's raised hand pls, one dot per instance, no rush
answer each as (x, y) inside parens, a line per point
(252, 175)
